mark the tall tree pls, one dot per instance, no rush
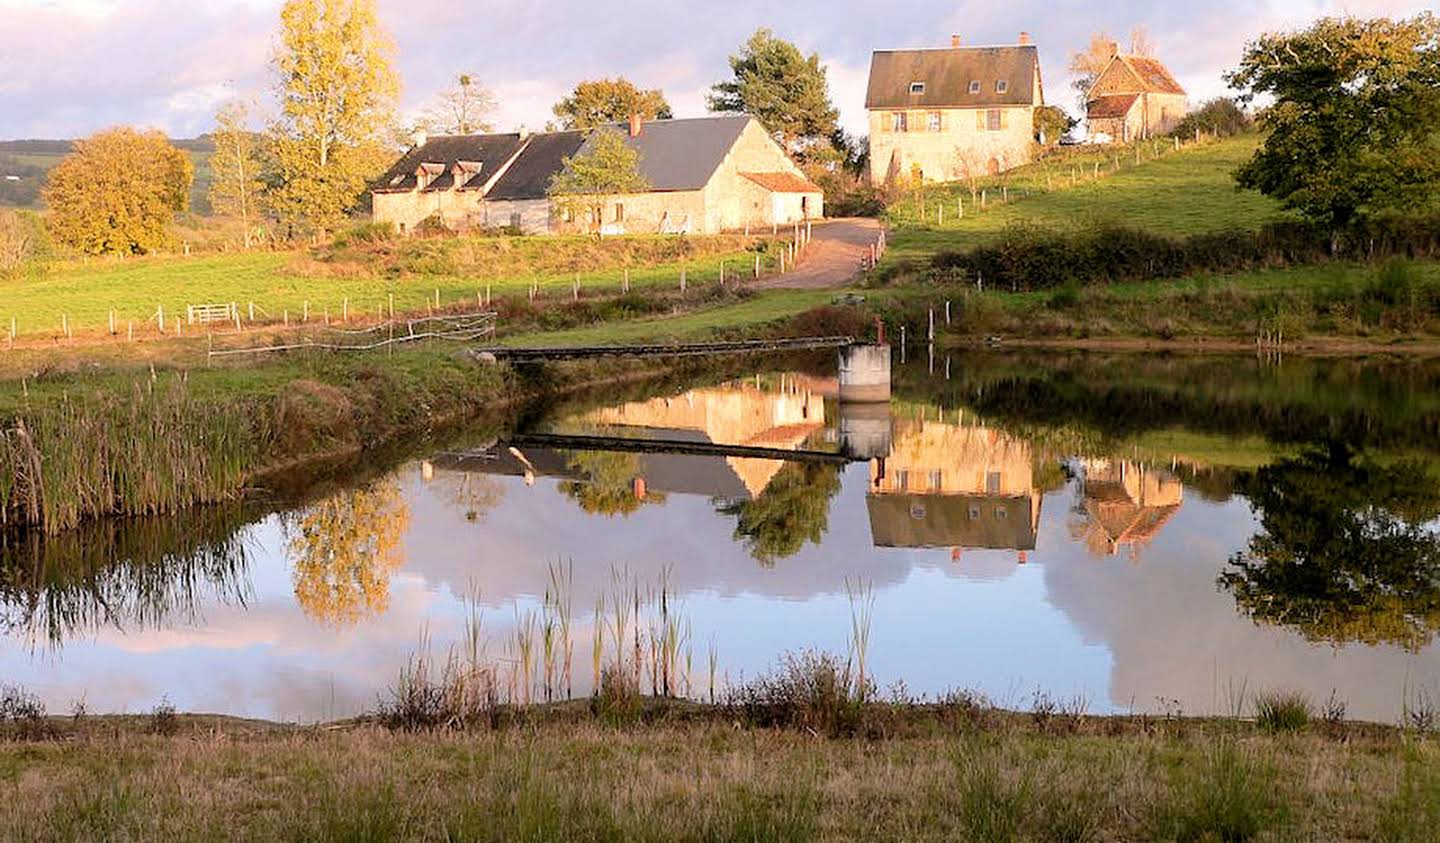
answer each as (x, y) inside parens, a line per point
(118, 192)
(793, 509)
(235, 167)
(598, 101)
(337, 95)
(344, 551)
(1355, 124)
(606, 167)
(1087, 64)
(782, 88)
(463, 109)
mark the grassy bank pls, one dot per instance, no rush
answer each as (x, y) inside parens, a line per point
(951, 772)
(361, 278)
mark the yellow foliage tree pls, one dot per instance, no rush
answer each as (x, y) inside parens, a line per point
(235, 167)
(337, 96)
(117, 193)
(345, 550)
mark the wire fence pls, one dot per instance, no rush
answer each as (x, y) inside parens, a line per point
(463, 327)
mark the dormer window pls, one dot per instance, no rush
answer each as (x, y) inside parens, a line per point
(427, 173)
(974, 86)
(917, 88)
(465, 171)
(1001, 86)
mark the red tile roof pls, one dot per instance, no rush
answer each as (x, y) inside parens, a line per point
(1153, 75)
(783, 182)
(1115, 105)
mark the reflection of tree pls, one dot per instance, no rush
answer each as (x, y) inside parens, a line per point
(345, 549)
(793, 508)
(1345, 553)
(609, 486)
(475, 494)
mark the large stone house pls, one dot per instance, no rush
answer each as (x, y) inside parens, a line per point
(706, 175)
(1134, 97)
(948, 114)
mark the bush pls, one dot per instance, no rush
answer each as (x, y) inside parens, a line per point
(364, 233)
(1220, 116)
(1282, 711)
(810, 691)
(433, 226)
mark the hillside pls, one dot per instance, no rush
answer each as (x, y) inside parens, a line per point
(24, 165)
(1175, 193)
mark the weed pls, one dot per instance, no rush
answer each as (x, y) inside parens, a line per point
(1231, 797)
(1282, 711)
(810, 690)
(163, 719)
(990, 806)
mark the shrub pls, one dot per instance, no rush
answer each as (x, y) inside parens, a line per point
(1219, 116)
(1282, 711)
(433, 226)
(810, 690)
(368, 233)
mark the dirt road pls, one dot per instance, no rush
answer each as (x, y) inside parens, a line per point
(833, 259)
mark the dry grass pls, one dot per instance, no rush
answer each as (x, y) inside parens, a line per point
(699, 778)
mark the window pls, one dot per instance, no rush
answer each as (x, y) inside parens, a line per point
(1001, 513)
(898, 122)
(934, 121)
(974, 511)
(974, 86)
(515, 220)
(619, 212)
(1001, 86)
(917, 511)
(917, 87)
(994, 120)
(937, 479)
(902, 479)
(992, 483)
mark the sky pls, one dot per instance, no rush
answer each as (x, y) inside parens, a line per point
(72, 67)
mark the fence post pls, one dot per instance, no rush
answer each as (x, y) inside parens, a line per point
(252, 311)
(391, 297)
(285, 316)
(129, 331)
(305, 315)
(12, 330)
(757, 264)
(487, 295)
(625, 281)
(682, 279)
(947, 311)
(940, 215)
(112, 323)
(65, 326)
(577, 287)
(345, 309)
(437, 298)
(930, 331)
(722, 273)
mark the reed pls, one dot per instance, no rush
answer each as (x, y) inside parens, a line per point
(862, 610)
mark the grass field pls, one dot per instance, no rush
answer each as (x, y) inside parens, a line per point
(1180, 193)
(284, 285)
(1003, 778)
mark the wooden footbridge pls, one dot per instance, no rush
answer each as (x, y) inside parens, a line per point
(569, 442)
(690, 349)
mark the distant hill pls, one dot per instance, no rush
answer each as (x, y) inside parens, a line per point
(25, 163)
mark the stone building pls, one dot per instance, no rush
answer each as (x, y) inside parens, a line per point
(1134, 97)
(947, 114)
(706, 175)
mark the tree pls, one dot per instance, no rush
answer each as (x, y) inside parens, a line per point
(782, 88)
(464, 109)
(337, 95)
(235, 167)
(793, 509)
(1052, 123)
(1345, 553)
(118, 192)
(345, 550)
(1140, 43)
(605, 166)
(20, 238)
(599, 101)
(1086, 65)
(609, 485)
(1355, 124)
(1218, 116)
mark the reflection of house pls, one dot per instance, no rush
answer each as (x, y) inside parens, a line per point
(1126, 504)
(947, 485)
(734, 414)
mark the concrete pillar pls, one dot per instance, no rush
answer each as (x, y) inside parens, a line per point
(865, 373)
(866, 430)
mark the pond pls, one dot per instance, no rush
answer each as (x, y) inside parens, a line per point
(1121, 533)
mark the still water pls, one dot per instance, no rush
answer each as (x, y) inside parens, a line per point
(1139, 533)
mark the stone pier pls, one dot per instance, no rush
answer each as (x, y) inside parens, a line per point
(865, 374)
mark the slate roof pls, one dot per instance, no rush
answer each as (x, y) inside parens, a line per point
(1113, 105)
(683, 154)
(529, 176)
(491, 151)
(783, 182)
(947, 73)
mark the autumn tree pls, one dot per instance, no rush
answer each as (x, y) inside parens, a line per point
(463, 109)
(1086, 65)
(1354, 128)
(605, 166)
(235, 167)
(599, 101)
(1052, 123)
(782, 88)
(118, 192)
(344, 551)
(336, 101)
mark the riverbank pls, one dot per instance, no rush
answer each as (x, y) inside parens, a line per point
(685, 772)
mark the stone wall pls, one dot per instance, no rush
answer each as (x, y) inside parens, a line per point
(964, 141)
(733, 201)
(458, 208)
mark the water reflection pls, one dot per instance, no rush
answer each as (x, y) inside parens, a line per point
(1263, 559)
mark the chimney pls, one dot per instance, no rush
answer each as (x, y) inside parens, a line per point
(954, 41)
(523, 131)
(635, 125)
(1024, 38)
(419, 138)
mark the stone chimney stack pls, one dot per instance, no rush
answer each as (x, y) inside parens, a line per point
(635, 125)
(1024, 38)
(954, 41)
(419, 138)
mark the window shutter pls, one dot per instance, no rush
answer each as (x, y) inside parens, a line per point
(980, 120)
(1005, 119)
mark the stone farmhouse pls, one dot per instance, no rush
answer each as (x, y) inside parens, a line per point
(1134, 97)
(947, 114)
(706, 175)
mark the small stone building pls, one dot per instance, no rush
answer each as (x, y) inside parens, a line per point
(706, 175)
(948, 114)
(1134, 97)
